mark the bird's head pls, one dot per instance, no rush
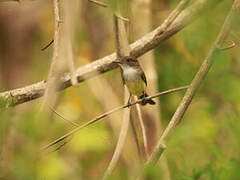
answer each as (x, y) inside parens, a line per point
(126, 61)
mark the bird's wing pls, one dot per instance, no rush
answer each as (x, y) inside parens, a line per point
(123, 80)
(144, 77)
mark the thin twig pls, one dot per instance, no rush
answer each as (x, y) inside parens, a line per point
(196, 82)
(121, 42)
(47, 46)
(154, 125)
(65, 119)
(122, 48)
(174, 14)
(56, 34)
(230, 46)
(121, 140)
(121, 17)
(117, 37)
(70, 15)
(110, 112)
(9, 0)
(138, 48)
(144, 134)
(135, 135)
(54, 71)
(98, 3)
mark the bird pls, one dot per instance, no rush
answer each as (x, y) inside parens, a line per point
(134, 78)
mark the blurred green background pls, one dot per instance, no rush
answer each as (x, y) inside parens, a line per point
(205, 146)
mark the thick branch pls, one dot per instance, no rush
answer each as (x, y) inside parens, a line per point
(138, 48)
(196, 82)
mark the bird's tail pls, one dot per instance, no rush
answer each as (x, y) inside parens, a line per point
(146, 101)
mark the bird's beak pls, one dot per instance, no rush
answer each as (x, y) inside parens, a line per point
(117, 61)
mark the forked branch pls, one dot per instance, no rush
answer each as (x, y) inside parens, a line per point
(138, 48)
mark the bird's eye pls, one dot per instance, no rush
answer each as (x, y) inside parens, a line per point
(128, 60)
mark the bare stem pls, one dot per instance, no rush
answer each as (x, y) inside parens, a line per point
(65, 119)
(99, 3)
(56, 35)
(138, 48)
(174, 14)
(196, 82)
(122, 48)
(48, 45)
(121, 140)
(54, 71)
(144, 134)
(70, 14)
(110, 112)
(8, 0)
(121, 42)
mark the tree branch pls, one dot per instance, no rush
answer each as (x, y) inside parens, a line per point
(195, 84)
(99, 3)
(138, 48)
(110, 112)
(121, 139)
(8, 0)
(55, 71)
(122, 48)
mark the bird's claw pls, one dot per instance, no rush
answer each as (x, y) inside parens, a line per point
(144, 101)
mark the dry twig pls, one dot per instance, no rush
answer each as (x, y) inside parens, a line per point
(122, 48)
(98, 3)
(110, 112)
(48, 45)
(9, 0)
(121, 140)
(143, 129)
(54, 71)
(138, 48)
(174, 14)
(70, 9)
(65, 119)
(196, 82)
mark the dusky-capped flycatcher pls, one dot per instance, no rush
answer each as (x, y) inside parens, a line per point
(134, 78)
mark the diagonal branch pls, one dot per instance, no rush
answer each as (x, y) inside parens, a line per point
(138, 48)
(196, 82)
(109, 113)
(174, 14)
(99, 3)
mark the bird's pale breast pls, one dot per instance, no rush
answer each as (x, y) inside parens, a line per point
(134, 81)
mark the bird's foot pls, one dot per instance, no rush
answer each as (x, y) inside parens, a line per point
(144, 101)
(129, 101)
(128, 104)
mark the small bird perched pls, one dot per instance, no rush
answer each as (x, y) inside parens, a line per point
(134, 78)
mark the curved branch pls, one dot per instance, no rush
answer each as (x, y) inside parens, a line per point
(138, 48)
